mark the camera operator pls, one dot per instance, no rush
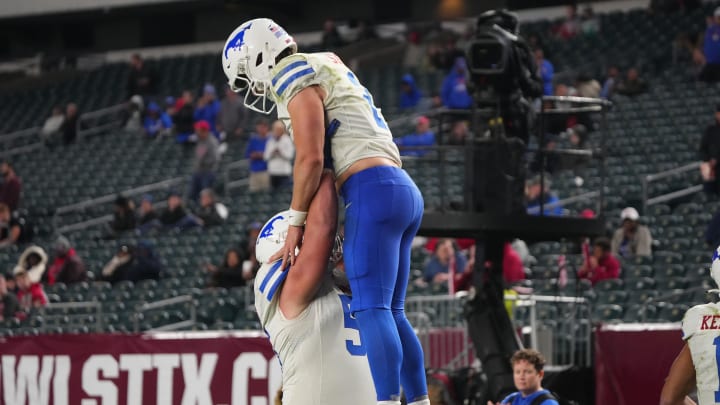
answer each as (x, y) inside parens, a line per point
(503, 71)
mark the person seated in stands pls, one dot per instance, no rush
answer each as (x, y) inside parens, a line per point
(454, 89)
(207, 108)
(586, 86)
(69, 127)
(410, 95)
(51, 128)
(133, 114)
(710, 57)
(633, 85)
(445, 260)
(211, 212)
(133, 264)
(608, 86)
(551, 161)
(423, 136)
(183, 118)
(631, 239)
(123, 215)
(33, 261)
(9, 304)
(459, 133)
(147, 212)
(14, 229)
(233, 272)
(600, 264)
(142, 79)
(330, 36)
(10, 186)
(66, 267)
(157, 122)
(546, 71)
(29, 294)
(174, 216)
(534, 193)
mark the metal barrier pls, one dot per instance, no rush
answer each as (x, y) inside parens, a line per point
(647, 201)
(240, 165)
(46, 314)
(565, 201)
(189, 323)
(99, 121)
(6, 139)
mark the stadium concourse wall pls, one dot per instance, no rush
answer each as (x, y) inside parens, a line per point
(240, 368)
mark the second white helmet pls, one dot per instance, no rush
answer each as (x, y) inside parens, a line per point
(248, 56)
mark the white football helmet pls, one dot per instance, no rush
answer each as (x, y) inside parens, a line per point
(715, 269)
(249, 54)
(272, 236)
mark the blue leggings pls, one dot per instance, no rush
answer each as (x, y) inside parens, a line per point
(383, 213)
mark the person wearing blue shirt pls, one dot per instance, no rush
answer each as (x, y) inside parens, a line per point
(454, 89)
(157, 121)
(711, 49)
(410, 95)
(423, 136)
(208, 108)
(527, 365)
(259, 179)
(437, 269)
(546, 70)
(550, 200)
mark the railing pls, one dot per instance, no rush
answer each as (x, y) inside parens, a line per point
(189, 323)
(91, 123)
(673, 296)
(565, 201)
(239, 165)
(6, 139)
(45, 312)
(647, 201)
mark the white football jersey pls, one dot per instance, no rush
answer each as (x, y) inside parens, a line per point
(322, 358)
(362, 130)
(701, 329)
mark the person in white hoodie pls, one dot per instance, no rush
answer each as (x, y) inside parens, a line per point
(279, 153)
(33, 261)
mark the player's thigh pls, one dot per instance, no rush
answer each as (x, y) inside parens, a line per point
(404, 254)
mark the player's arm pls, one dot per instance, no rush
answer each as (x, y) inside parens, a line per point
(304, 279)
(680, 380)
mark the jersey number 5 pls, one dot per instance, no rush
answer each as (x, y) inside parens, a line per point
(351, 323)
(379, 120)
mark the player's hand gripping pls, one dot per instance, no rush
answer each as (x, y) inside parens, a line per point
(287, 252)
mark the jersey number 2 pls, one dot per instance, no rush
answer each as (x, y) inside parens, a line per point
(351, 323)
(379, 120)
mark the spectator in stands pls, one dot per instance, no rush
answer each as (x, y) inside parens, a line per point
(142, 79)
(259, 176)
(279, 153)
(712, 233)
(175, 216)
(66, 267)
(246, 247)
(633, 85)
(10, 187)
(51, 127)
(586, 86)
(13, 229)
(423, 136)
(551, 162)
(610, 81)
(710, 155)
(527, 366)
(157, 122)
(69, 126)
(183, 118)
(330, 36)
(208, 108)
(230, 273)
(118, 267)
(546, 70)
(133, 264)
(631, 239)
(123, 215)
(211, 212)
(454, 89)
(600, 264)
(571, 26)
(232, 117)
(534, 192)
(589, 23)
(513, 268)
(133, 121)
(445, 260)
(30, 295)
(9, 304)
(147, 212)
(711, 49)
(207, 160)
(459, 133)
(410, 95)
(34, 262)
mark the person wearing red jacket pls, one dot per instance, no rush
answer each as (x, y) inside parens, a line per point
(29, 294)
(601, 264)
(67, 267)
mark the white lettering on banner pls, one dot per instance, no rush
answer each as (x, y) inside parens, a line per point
(61, 380)
(197, 383)
(165, 365)
(135, 365)
(248, 365)
(94, 387)
(26, 386)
